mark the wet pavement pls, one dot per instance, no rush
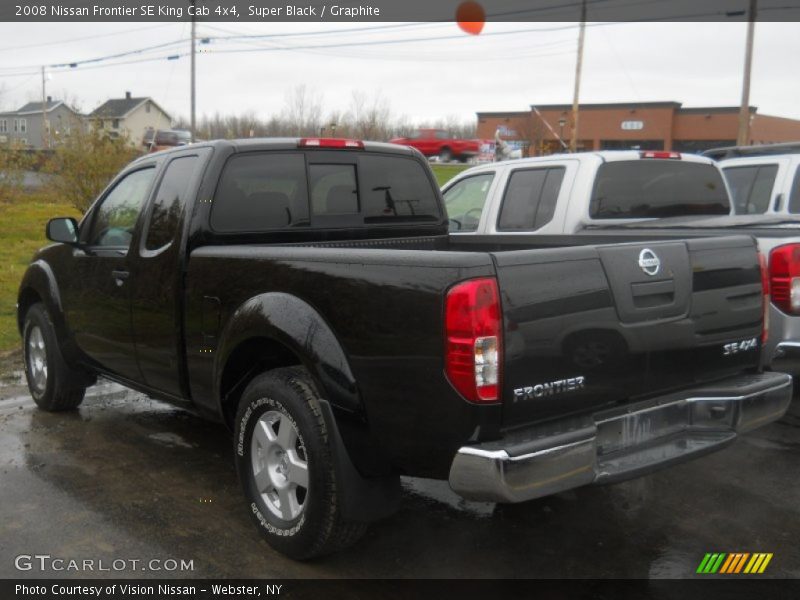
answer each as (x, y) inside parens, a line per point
(127, 477)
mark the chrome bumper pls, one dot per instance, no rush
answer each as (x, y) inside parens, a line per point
(620, 443)
(787, 358)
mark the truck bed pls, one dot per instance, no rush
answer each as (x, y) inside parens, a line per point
(581, 321)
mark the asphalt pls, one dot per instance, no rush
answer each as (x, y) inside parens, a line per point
(128, 477)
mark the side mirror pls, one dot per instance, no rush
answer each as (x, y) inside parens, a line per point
(63, 230)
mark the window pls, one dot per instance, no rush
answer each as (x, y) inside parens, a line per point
(115, 219)
(261, 191)
(530, 199)
(441, 135)
(115, 124)
(3, 125)
(465, 200)
(170, 201)
(794, 195)
(147, 107)
(16, 125)
(751, 187)
(649, 188)
(23, 125)
(333, 189)
(395, 188)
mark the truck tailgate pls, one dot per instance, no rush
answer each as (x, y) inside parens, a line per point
(593, 326)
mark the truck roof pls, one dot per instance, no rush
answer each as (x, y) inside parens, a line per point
(250, 144)
(598, 156)
(753, 151)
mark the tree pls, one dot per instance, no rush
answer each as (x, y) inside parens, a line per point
(15, 160)
(84, 162)
(302, 111)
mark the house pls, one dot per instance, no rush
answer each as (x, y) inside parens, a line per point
(34, 128)
(130, 117)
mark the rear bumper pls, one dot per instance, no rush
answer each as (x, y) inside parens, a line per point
(620, 443)
(787, 358)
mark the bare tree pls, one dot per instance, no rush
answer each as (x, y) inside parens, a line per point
(303, 111)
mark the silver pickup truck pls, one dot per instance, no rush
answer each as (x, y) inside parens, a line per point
(653, 191)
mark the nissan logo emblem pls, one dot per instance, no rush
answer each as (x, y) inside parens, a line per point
(649, 262)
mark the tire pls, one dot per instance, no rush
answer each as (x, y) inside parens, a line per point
(53, 385)
(286, 467)
(445, 155)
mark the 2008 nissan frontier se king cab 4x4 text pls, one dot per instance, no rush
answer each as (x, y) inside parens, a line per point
(306, 293)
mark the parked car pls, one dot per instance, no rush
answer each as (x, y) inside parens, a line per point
(306, 294)
(593, 191)
(762, 179)
(440, 143)
(162, 139)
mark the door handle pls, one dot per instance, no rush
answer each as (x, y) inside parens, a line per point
(120, 276)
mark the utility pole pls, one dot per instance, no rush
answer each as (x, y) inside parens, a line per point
(45, 127)
(194, 99)
(573, 141)
(744, 110)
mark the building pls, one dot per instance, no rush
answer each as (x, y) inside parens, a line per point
(34, 128)
(638, 125)
(129, 117)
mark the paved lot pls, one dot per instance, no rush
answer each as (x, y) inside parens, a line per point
(126, 477)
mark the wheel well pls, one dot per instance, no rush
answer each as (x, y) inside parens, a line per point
(250, 358)
(27, 298)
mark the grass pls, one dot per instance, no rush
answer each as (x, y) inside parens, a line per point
(22, 223)
(445, 173)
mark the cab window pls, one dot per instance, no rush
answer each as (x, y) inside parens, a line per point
(751, 187)
(115, 219)
(529, 202)
(465, 200)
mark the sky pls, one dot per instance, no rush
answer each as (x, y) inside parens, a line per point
(508, 67)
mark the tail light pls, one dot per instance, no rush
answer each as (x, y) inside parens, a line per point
(330, 143)
(765, 292)
(473, 339)
(660, 154)
(784, 278)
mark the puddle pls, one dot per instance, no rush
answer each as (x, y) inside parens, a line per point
(439, 491)
(171, 439)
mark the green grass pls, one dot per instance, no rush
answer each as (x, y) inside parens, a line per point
(22, 223)
(445, 173)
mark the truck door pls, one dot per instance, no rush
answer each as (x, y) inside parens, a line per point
(96, 297)
(156, 275)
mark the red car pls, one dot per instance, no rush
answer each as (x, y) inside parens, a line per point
(438, 142)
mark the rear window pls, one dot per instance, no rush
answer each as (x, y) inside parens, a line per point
(794, 196)
(396, 189)
(259, 192)
(271, 190)
(657, 188)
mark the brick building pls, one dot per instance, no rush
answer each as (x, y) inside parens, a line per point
(638, 125)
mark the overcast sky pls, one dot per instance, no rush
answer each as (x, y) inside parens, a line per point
(699, 64)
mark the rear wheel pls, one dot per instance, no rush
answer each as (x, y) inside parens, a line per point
(53, 385)
(286, 466)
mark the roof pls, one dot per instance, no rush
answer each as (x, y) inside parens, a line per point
(610, 105)
(751, 151)
(117, 108)
(36, 107)
(255, 144)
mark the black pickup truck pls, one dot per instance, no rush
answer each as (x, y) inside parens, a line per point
(306, 294)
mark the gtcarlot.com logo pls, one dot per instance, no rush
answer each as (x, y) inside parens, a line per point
(734, 563)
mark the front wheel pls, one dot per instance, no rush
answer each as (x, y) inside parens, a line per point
(286, 466)
(53, 385)
(445, 155)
